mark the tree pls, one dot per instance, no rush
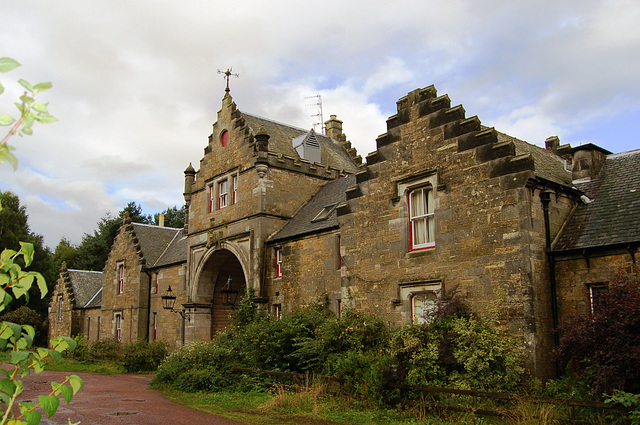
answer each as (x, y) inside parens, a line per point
(14, 228)
(15, 283)
(173, 217)
(604, 348)
(94, 249)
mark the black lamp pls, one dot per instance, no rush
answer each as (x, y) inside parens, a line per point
(229, 296)
(169, 302)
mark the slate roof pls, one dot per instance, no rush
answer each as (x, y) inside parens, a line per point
(154, 240)
(613, 215)
(282, 135)
(175, 252)
(87, 288)
(548, 165)
(303, 221)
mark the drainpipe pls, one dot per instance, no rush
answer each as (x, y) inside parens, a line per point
(545, 198)
(148, 304)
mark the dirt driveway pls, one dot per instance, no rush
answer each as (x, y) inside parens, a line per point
(115, 399)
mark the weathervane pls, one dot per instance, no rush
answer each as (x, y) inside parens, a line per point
(228, 74)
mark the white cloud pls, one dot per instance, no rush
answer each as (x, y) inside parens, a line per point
(136, 87)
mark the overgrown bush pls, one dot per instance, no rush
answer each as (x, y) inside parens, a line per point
(603, 349)
(27, 316)
(200, 366)
(458, 352)
(142, 356)
(105, 349)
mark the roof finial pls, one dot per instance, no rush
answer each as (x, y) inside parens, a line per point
(228, 74)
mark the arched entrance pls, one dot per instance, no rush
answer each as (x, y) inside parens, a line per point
(222, 284)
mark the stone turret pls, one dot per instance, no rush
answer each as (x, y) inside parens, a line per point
(587, 161)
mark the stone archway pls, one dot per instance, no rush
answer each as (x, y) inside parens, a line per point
(221, 284)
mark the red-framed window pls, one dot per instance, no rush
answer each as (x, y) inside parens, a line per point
(224, 138)
(421, 207)
(278, 262)
(120, 274)
(118, 333)
(155, 326)
(223, 195)
(234, 189)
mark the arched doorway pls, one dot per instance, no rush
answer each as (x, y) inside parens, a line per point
(222, 283)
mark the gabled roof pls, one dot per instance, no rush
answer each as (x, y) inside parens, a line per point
(175, 252)
(612, 217)
(87, 288)
(154, 240)
(282, 135)
(548, 165)
(306, 220)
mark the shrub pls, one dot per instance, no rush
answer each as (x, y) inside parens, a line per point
(105, 349)
(27, 316)
(460, 352)
(604, 349)
(200, 366)
(142, 356)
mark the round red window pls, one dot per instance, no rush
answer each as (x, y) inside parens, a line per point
(224, 138)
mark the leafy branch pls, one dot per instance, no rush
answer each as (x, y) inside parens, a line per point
(30, 110)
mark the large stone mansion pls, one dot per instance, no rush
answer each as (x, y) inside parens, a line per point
(527, 234)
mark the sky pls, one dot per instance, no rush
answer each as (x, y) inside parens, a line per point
(136, 86)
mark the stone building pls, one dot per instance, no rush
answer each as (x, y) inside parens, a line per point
(525, 234)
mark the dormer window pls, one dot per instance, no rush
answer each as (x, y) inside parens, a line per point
(324, 213)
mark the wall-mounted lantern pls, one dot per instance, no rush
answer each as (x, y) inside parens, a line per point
(169, 302)
(229, 296)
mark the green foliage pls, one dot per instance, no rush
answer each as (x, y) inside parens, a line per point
(458, 352)
(142, 356)
(30, 111)
(14, 228)
(628, 400)
(27, 316)
(173, 217)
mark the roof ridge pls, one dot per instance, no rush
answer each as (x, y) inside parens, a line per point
(165, 249)
(156, 226)
(274, 121)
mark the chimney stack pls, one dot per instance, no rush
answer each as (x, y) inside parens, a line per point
(161, 219)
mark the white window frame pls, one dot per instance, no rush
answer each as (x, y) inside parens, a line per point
(427, 185)
(60, 304)
(421, 221)
(594, 290)
(409, 292)
(118, 326)
(234, 189)
(223, 193)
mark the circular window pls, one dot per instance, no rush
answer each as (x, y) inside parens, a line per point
(224, 138)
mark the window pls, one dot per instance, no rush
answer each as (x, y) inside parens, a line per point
(278, 262)
(118, 330)
(212, 198)
(224, 138)
(88, 327)
(98, 337)
(422, 305)
(339, 252)
(595, 292)
(234, 191)
(324, 213)
(277, 311)
(120, 277)
(421, 205)
(339, 309)
(155, 326)
(59, 307)
(222, 194)
(156, 285)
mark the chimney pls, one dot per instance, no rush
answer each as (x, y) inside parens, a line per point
(334, 129)
(161, 219)
(587, 161)
(552, 143)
